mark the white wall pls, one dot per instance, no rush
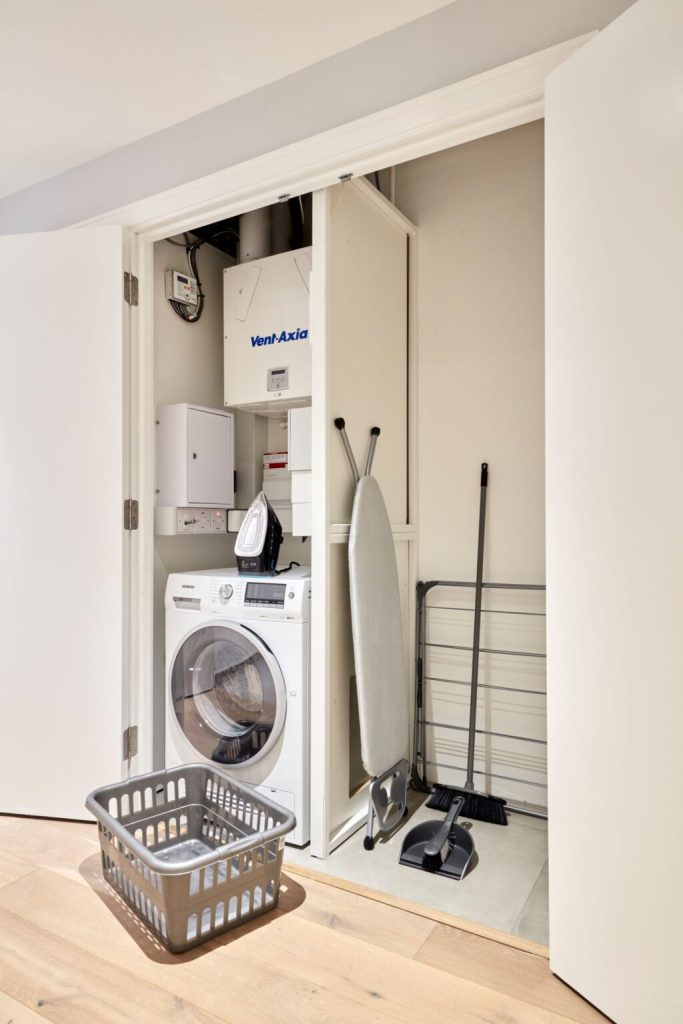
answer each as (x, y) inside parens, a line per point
(479, 212)
(188, 367)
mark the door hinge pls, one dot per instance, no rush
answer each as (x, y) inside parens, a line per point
(130, 742)
(130, 514)
(130, 288)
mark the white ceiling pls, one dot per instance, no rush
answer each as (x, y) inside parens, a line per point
(79, 78)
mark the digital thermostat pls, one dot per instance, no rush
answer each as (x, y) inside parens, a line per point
(278, 378)
(181, 288)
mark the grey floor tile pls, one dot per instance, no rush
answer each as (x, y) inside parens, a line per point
(533, 920)
(495, 892)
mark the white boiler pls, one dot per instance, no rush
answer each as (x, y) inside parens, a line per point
(266, 310)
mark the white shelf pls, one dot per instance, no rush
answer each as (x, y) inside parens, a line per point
(339, 532)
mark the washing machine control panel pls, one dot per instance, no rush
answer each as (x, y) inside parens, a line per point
(286, 598)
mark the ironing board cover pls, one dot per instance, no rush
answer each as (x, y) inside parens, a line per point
(378, 640)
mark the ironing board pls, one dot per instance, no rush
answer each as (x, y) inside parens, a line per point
(378, 645)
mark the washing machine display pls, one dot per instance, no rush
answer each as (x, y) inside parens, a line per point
(228, 694)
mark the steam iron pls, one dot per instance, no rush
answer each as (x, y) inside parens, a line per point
(258, 543)
(441, 847)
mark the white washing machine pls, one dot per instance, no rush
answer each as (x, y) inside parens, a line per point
(237, 680)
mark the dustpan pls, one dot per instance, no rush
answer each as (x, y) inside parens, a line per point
(440, 845)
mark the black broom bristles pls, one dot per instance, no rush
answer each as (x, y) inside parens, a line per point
(477, 805)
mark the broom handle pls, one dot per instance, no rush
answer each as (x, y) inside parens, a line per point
(478, 592)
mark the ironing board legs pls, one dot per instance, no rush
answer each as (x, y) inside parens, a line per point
(388, 800)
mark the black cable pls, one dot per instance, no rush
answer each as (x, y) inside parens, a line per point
(223, 231)
(203, 241)
(191, 249)
(278, 572)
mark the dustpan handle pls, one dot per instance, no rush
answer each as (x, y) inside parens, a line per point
(436, 845)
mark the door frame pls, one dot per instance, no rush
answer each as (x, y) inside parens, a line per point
(496, 100)
(492, 101)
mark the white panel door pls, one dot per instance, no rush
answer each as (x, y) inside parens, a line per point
(359, 330)
(615, 514)
(62, 539)
(210, 466)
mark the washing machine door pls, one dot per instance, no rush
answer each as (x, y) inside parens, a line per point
(228, 694)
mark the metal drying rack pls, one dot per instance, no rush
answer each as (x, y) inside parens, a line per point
(420, 761)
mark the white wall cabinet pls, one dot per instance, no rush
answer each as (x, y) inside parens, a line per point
(195, 457)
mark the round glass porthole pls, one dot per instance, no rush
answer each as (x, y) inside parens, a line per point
(228, 694)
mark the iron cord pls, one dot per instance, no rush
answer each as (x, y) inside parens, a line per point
(278, 572)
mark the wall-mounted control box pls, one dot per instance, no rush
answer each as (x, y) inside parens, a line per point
(195, 465)
(181, 288)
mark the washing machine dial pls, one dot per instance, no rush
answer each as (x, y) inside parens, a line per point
(225, 593)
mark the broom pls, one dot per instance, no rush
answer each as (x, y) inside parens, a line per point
(478, 805)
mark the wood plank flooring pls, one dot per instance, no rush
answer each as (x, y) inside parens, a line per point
(72, 953)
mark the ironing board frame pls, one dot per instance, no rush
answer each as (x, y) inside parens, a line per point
(376, 807)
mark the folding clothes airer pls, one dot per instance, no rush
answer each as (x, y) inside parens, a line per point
(378, 645)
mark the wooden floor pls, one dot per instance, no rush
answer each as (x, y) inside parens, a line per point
(71, 953)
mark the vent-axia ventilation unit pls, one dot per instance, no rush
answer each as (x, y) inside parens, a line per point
(267, 332)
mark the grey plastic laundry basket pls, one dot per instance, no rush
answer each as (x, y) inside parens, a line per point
(191, 850)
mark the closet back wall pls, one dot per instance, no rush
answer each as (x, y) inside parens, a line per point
(479, 212)
(188, 367)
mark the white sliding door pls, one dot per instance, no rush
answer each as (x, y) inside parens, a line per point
(61, 539)
(615, 514)
(359, 297)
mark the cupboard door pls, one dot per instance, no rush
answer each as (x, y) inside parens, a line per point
(359, 330)
(62, 542)
(614, 513)
(210, 461)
